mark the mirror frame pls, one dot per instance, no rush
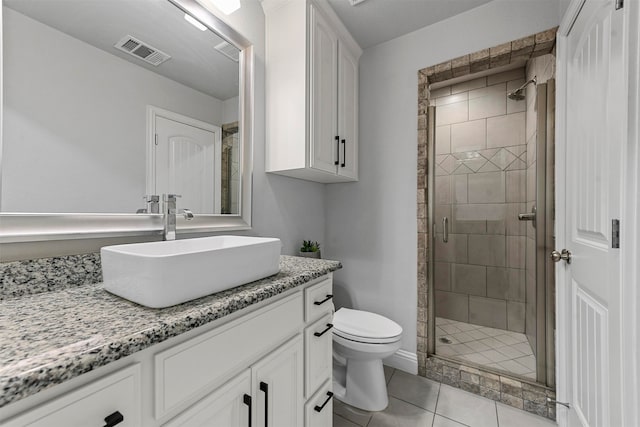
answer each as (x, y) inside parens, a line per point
(39, 227)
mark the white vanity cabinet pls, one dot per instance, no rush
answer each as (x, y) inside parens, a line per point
(312, 98)
(264, 366)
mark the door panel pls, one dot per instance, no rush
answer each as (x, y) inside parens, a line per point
(278, 382)
(595, 114)
(188, 162)
(224, 407)
(323, 94)
(347, 113)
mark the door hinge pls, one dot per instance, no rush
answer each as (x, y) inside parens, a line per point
(615, 233)
(619, 4)
(156, 139)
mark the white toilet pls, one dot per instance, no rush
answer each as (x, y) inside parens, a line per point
(360, 341)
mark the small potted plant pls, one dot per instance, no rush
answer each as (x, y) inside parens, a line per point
(310, 249)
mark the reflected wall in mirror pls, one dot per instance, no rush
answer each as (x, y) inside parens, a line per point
(109, 101)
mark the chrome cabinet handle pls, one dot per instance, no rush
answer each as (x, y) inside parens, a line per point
(445, 228)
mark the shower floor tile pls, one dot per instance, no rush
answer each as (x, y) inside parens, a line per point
(494, 348)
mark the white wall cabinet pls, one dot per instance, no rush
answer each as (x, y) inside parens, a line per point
(247, 369)
(312, 99)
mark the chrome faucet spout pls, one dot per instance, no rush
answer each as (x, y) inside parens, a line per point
(169, 213)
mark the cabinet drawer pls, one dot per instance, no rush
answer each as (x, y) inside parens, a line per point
(190, 370)
(89, 405)
(318, 300)
(318, 354)
(318, 412)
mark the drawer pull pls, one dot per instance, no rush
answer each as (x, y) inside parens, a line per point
(113, 419)
(329, 296)
(247, 401)
(264, 387)
(320, 408)
(319, 334)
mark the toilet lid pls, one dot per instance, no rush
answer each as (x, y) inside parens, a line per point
(362, 326)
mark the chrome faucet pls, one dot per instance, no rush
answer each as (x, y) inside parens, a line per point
(169, 213)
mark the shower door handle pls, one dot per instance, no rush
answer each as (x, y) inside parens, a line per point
(529, 216)
(445, 229)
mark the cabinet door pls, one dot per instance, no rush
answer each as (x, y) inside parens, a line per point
(324, 92)
(228, 406)
(347, 113)
(278, 387)
(318, 354)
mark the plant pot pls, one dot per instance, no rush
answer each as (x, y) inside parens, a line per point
(315, 254)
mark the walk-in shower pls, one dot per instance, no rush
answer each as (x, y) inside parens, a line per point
(490, 201)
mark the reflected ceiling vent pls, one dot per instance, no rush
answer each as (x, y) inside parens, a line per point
(355, 2)
(141, 50)
(228, 50)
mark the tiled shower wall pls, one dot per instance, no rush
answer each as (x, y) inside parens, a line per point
(481, 160)
(543, 68)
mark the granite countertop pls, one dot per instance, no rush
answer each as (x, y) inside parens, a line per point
(51, 337)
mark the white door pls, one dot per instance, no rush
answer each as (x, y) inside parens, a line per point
(324, 92)
(228, 406)
(589, 288)
(188, 163)
(347, 113)
(278, 387)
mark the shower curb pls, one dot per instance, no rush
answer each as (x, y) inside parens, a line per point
(528, 396)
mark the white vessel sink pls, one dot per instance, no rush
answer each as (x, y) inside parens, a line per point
(162, 274)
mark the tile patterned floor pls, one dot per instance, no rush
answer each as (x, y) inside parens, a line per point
(494, 348)
(419, 402)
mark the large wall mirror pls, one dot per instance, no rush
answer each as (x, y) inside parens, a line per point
(107, 103)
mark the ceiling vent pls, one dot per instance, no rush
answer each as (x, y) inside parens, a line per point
(141, 50)
(228, 50)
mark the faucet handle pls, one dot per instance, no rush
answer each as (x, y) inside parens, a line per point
(170, 197)
(188, 215)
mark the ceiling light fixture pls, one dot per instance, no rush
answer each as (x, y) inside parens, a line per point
(226, 6)
(193, 21)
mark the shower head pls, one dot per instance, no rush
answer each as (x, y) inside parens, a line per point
(518, 94)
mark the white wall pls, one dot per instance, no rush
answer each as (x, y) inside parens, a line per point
(75, 122)
(287, 208)
(371, 224)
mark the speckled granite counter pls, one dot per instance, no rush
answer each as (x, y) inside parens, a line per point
(50, 337)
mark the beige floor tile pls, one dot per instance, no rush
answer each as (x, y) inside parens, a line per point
(401, 414)
(511, 417)
(388, 373)
(440, 421)
(416, 390)
(466, 408)
(353, 415)
(338, 421)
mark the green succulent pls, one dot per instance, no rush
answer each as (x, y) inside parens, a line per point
(309, 246)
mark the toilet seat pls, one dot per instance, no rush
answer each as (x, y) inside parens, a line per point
(365, 327)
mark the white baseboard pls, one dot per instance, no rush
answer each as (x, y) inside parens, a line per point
(403, 360)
